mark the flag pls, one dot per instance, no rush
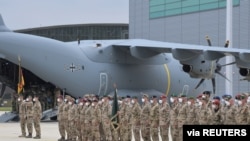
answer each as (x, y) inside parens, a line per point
(115, 109)
(21, 83)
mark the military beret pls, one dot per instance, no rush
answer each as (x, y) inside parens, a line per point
(206, 92)
(135, 97)
(154, 96)
(105, 96)
(86, 95)
(216, 97)
(128, 96)
(145, 95)
(216, 102)
(240, 96)
(60, 96)
(122, 97)
(227, 97)
(163, 96)
(190, 97)
(174, 95)
(94, 100)
(183, 95)
(199, 96)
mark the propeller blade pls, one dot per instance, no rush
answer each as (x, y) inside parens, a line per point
(213, 83)
(208, 41)
(223, 76)
(228, 64)
(226, 44)
(201, 81)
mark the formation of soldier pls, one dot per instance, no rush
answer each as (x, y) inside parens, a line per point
(30, 113)
(91, 118)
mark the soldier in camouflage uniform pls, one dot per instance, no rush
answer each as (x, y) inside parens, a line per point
(61, 124)
(164, 116)
(37, 115)
(191, 113)
(145, 118)
(80, 122)
(173, 117)
(182, 115)
(216, 117)
(204, 111)
(87, 121)
(243, 111)
(106, 115)
(230, 111)
(95, 120)
(154, 117)
(22, 115)
(135, 117)
(72, 119)
(65, 114)
(29, 115)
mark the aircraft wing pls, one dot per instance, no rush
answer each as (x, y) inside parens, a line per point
(143, 49)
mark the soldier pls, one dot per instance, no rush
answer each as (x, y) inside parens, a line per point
(80, 119)
(22, 115)
(87, 121)
(29, 115)
(13, 102)
(191, 113)
(205, 111)
(37, 115)
(95, 120)
(65, 114)
(173, 117)
(145, 118)
(154, 117)
(164, 116)
(182, 114)
(135, 113)
(106, 115)
(61, 124)
(72, 118)
(216, 117)
(243, 111)
(229, 110)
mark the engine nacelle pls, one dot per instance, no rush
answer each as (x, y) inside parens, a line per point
(244, 72)
(187, 68)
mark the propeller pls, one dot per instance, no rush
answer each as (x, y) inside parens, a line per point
(218, 67)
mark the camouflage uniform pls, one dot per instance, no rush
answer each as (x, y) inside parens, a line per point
(29, 114)
(182, 119)
(124, 122)
(87, 123)
(95, 114)
(145, 121)
(65, 116)
(22, 116)
(154, 117)
(135, 113)
(204, 114)
(80, 120)
(243, 114)
(164, 115)
(106, 115)
(216, 117)
(61, 124)
(72, 118)
(37, 115)
(173, 121)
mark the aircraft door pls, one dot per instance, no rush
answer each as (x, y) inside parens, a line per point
(103, 84)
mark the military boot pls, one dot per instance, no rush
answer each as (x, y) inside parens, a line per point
(22, 136)
(29, 136)
(62, 139)
(37, 137)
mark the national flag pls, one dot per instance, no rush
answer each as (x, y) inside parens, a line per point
(21, 83)
(115, 109)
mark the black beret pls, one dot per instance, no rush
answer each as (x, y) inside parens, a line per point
(128, 96)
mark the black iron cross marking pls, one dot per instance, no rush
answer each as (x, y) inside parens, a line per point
(72, 67)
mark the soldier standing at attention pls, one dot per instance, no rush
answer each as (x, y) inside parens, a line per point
(60, 117)
(65, 114)
(95, 120)
(191, 115)
(164, 115)
(154, 117)
(173, 117)
(243, 111)
(87, 121)
(145, 121)
(22, 115)
(123, 119)
(182, 115)
(106, 115)
(29, 115)
(72, 118)
(37, 114)
(135, 112)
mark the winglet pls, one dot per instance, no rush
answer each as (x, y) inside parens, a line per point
(3, 28)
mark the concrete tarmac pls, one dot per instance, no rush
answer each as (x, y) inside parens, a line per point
(10, 131)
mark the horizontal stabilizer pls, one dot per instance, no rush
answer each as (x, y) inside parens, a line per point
(3, 28)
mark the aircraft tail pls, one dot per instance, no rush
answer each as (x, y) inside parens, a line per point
(3, 28)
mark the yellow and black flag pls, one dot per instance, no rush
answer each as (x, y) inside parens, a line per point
(21, 83)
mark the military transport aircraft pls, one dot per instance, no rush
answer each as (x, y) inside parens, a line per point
(135, 65)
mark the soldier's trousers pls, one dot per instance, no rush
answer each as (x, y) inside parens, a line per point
(61, 126)
(164, 129)
(29, 124)
(174, 132)
(37, 127)
(124, 133)
(23, 125)
(72, 130)
(107, 131)
(87, 131)
(95, 133)
(154, 134)
(66, 126)
(145, 132)
(136, 131)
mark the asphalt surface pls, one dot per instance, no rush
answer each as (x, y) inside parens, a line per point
(10, 131)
